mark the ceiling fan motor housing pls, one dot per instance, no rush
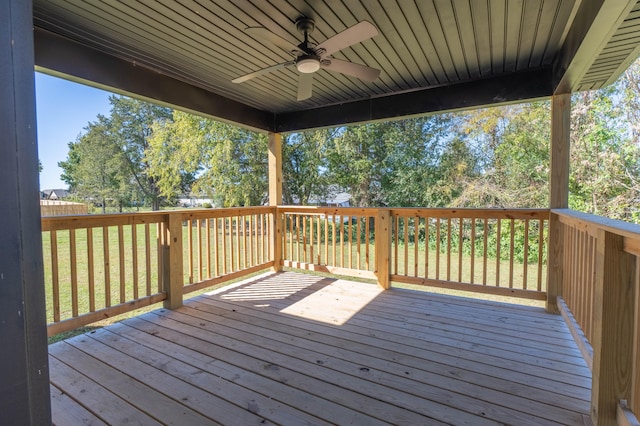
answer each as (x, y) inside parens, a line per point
(308, 64)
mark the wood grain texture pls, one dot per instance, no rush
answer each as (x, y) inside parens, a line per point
(290, 348)
(613, 327)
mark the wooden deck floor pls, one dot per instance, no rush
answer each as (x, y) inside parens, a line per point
(297, 349)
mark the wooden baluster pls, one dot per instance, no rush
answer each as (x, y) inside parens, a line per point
(448, 249)
(498, 247)
(123, 277)
(90, 271)
(367, 242)
(438, 248)
(55, 277)
(405, 223)
(485, 257)
(147, 257)
(472, 273)
(107, 271)
(460, 243)
(208, 247)
(525, 255)
(540, 252)
(511, 252)
(427, 225)
(199, 242)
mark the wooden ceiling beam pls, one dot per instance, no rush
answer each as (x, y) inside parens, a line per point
(62, 57)
(593, 26)
(512, 88)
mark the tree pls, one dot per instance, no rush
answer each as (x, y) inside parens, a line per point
(605, 158)
(304, 165)
(225, 162)
(95, 168)
(357, 162)
(511, 148)
(131, 124)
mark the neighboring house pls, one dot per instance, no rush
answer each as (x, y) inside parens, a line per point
(331, 199)
(54, 194)
(194, 201)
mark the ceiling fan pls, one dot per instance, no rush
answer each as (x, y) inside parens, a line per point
(310, 58)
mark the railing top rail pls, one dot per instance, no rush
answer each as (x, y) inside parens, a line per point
(223, 212)
(53, 223)
(472, 213)
(353, 211)
(591, 223)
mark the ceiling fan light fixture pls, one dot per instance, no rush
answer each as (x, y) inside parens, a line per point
(308, 64)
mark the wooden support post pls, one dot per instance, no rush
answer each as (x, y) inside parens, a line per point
(276, 240)
(559, 193)
(613, 328)
(24, 371)
(383, 247)
(173, 262)
(275, 169)
(275, 197)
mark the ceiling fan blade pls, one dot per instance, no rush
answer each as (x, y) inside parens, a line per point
(305, 86)
(265, 34)
(359, 32)
(266, 70)
(362, 72)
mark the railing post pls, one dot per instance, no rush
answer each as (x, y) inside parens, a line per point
(383, 247)
(612, 327)
(172, 262)
(558, 193)
(276, 240)
(555, 262)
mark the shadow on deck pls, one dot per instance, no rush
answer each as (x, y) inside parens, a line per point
(297, 349)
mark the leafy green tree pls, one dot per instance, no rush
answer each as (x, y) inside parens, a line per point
(357, 162)
(511, 148)
(604, 156)
(304, 165)
(131, 124)
(95, 168)
(222, 161)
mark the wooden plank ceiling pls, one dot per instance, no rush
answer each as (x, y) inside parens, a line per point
(493, 50)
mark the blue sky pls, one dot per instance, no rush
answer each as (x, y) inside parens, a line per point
(64, 109)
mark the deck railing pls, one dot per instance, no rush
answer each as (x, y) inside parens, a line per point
(495, 251)
(334, 240)
(489, 251)
(599, 272)
(99, 266)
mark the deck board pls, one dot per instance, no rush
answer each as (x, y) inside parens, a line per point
(296, 349)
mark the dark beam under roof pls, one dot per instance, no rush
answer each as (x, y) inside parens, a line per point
(60, 56)
(519, 87)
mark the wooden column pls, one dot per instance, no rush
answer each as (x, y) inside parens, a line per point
(613, 327)
(173, 264)
(275, 197)
(24, 371)
(559, 193)
(383, 247)
(275, 169)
